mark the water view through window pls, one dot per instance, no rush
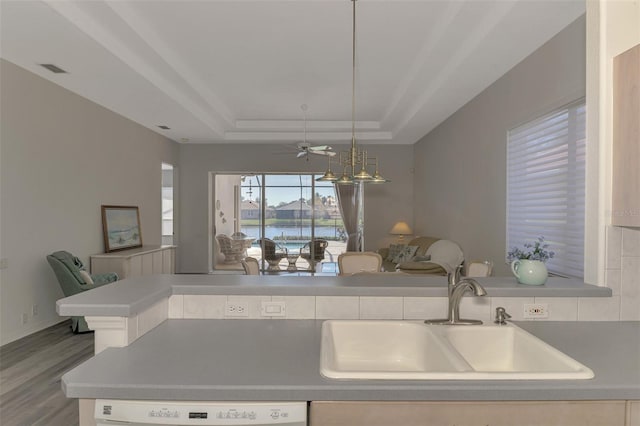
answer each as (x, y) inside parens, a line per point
(291, 210)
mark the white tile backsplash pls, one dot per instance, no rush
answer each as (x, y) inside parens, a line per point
(298, 307)
(622, 276)
(337, 307)
(560, 308)
(381, 308)
(153, 316)
(614, 247)
(630, 279)
(413, 308)
(599, 308)
(630, 308)
(630, 242)
(613, 280)
(476, 308)
(176, 306)
(425, 307)
(203, 306)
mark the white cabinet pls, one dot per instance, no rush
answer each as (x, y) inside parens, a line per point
(145, 260)
(420, 413)
(626, 139)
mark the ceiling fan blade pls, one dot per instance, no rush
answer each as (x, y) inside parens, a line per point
(320, 148)
(302, 154)
(328, 153)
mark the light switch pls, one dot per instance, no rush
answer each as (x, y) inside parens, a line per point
(273, 309)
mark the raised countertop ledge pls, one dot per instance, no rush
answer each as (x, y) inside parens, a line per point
(133, 295)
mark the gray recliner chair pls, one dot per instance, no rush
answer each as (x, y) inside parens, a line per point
(74, 279)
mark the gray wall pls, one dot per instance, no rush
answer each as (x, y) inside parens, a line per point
(460, 167)
(62, 157)
(384, 204)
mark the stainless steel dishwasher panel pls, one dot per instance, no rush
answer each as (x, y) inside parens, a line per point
(179, 413)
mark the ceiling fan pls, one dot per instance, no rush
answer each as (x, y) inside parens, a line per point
(305, 148)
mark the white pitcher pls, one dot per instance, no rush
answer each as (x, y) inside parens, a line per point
(531, 272)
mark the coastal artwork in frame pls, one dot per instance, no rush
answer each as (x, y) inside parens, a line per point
(121, 227)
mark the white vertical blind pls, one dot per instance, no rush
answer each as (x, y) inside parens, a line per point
(546, 186)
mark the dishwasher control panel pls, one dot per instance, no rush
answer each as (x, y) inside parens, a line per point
(110, 412)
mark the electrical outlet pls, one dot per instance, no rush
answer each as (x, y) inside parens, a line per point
(4, 263)
(34, 310)
(236, 309)
(536, 310)
(25, 318)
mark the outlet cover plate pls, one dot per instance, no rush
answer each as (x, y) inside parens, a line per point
(238, 309)
(536, 310)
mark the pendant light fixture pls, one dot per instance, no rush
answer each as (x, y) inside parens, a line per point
(355, 158)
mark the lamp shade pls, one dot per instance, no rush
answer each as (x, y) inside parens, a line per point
(401, 228)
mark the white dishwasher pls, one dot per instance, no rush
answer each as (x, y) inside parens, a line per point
(123, 412)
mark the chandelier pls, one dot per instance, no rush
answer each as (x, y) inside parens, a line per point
(355, 161)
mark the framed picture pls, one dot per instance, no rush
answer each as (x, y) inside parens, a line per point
(121, 227)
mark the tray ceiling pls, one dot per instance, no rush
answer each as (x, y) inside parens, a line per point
(238, 71)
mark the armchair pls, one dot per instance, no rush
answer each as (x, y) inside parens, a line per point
(272, 252)
(74, 279)
(232, 248)
(319, 246)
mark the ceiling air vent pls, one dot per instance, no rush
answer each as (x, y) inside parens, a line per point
(163, 127)
(53, 68)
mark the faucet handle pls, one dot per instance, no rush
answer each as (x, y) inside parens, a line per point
(501, 316)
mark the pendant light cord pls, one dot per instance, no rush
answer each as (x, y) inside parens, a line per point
(353, 80)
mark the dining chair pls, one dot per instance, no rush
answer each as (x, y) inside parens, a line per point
(251, 266)
(355, 261)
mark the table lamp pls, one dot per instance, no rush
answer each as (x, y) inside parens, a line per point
(401, 229)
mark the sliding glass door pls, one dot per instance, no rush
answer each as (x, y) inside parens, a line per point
(295, 221)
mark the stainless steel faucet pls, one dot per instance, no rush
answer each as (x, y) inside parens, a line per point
(457, 287)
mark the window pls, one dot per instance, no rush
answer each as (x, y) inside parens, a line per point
(546, 186)
(167, 203)
(288, 208)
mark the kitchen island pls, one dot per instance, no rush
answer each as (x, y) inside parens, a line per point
(161, 354)
(257, 360)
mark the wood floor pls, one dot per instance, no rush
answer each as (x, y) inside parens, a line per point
(30, 371)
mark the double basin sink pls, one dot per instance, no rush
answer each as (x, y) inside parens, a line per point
(404, 350)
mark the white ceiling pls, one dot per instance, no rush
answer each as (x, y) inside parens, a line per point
(238, 71)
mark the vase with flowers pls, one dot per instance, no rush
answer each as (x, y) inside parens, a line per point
(528, 264)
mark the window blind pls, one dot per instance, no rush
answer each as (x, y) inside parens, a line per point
(546, 186)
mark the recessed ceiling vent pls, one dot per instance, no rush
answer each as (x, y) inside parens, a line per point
(163, 127)
(53, 68)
